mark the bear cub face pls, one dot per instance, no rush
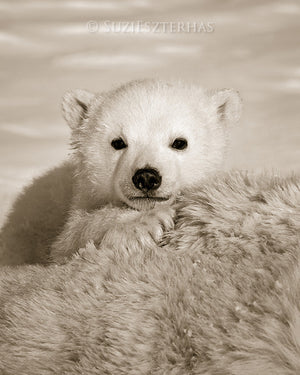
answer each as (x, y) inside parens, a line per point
(146, 141)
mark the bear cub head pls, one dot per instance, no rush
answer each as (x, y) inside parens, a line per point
(146, 141)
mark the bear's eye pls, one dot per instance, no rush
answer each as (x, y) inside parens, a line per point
(179, 144)
(118, 144)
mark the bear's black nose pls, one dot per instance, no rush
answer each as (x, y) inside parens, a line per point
(146, 179)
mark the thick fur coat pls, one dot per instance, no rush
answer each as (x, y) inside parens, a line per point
(37, 217)
(135, 148)
(221, 295)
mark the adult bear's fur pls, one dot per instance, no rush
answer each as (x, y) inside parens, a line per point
(222, 296)
(37, 217)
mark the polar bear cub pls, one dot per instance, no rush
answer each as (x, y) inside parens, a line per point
(135, 149)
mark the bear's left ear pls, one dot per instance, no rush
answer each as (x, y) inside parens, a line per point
(75, 106)
(229, 105)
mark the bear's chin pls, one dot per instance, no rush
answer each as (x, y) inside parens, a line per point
(147, 203)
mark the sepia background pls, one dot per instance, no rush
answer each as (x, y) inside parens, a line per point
(50, 46)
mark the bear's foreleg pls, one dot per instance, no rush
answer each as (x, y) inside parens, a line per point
(111, 226)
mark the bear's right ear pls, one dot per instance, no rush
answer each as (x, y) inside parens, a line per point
(229, 105)
(75, 106)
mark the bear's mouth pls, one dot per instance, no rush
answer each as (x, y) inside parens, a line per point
(149, 198)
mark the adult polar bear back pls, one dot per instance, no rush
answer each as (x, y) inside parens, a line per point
(151, 116)
(37, 217)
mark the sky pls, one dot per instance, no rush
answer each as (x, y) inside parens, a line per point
(48, 47)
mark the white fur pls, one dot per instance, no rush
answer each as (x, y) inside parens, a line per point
(148, 115)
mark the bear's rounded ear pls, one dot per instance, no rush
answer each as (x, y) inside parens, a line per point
(75, 105)
(229, 105)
